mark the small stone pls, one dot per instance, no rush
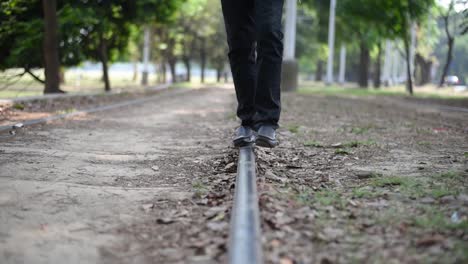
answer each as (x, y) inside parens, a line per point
(365, 174)
(337, 145)
(463, 198)
(427, 200)
(218, 226)
(230, 166)
(165, 221)
(147, 207)
(447, 199)
(155, 168)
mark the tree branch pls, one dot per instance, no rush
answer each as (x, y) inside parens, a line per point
(34, 76)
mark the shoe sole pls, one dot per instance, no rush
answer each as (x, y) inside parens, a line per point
(266, 143)
(242, 142)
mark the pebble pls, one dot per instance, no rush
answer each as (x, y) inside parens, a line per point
(365, 174)
(463, 198)
(447, 199)
(427, 200)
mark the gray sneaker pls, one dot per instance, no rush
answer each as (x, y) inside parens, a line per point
(266, 137)
(244, 136)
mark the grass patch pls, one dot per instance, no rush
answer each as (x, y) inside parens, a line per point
(293, 128)
(65, 111)
(360, 130)
(341, 151)
(410, 186)
(329, 197)
(18, 106)
(357, 143)
(323, 197)
(424, 143)
(199, 188)
(465, 155)
(364, 192)
(432, 218)
(436, 186)
(441, 191)
(355, 91)
(313, 143)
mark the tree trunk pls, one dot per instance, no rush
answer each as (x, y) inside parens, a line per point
(319, 71)
(423, 70)
(172, 68)
(450, 43)
(219, 72)
(447, 62)
(202, 60)
(226, 77)
(50, 47)
(378, 66)
(62, 75)
(135, 71)
(188, 68)
(364, 60)
(104, 60)
(162, 71)
(409, 81)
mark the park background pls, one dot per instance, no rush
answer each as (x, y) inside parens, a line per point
(123, 45)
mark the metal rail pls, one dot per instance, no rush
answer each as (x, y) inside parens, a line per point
(245, 236)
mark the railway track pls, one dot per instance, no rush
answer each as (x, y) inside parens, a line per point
(245, 237)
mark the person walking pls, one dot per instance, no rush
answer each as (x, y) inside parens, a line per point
(255, 40)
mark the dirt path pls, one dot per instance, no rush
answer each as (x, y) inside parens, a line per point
(68, 188)
(353, 180)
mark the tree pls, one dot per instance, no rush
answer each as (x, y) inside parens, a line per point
(449, 18)
(392, 19)
(50, 47)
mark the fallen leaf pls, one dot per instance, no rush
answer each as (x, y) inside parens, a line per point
(147, 207)
(336, 145)
(286, 260)
(165, 220)
(217, 226)
(430, 240)
(213, 211)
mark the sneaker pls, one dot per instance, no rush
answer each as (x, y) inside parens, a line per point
(244, 136)
(266, 137)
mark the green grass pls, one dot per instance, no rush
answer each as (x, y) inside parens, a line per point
(364, 192)
(66, 111)
(357, 143)
(424, 143)
(342, 151)
(324, 197)
(293, 128)
(354, 91)
(18, 106)
(199, 188)
(436, 186)
(329, 197)
(433, 219)
(313, 143)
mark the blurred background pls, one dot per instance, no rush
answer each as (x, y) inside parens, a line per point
(372, 46)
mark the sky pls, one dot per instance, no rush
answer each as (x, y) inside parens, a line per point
(458, 7)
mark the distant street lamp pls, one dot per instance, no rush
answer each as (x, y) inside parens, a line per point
(290, 69)
(341, 76)
(331, 41)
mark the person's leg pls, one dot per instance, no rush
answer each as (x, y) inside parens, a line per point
(269, 38)
(240, 29)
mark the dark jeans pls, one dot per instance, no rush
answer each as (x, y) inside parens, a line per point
(255, 40)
